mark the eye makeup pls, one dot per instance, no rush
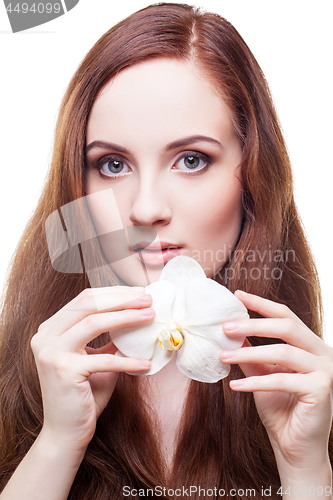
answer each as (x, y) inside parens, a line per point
(121, 169)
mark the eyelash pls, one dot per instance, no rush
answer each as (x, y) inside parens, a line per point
(103, 161)
(195, 154)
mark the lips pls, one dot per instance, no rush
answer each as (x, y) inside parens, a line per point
(154, 246)
(156, 253)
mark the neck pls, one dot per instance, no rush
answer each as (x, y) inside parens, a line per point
(165, 394)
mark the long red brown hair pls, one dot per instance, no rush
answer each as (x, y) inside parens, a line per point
(223, 443)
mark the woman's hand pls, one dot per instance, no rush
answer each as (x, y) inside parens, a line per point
(77, 381)
(292, 382)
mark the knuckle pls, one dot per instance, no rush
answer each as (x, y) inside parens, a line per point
(113, 361)
(42, 326)
(256, 382)
(49, 360)
(89, 322)
(86, 300)
(34, 342)
(285, 352)
(289, 326)
(279, 379)
(87, 292)
(325, 383)
(61, 366)
(126, 316)
(45, 357)
(133, 315)
(285, 311)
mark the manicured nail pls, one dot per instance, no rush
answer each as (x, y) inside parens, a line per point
(227, 354)
(146, 312)
(145, 298)
(145, 363)
(242, 292)
(237, 383)
(230, 326)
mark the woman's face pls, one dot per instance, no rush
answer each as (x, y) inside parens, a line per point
(162, 153)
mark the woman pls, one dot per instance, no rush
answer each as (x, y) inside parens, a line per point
(173, 103)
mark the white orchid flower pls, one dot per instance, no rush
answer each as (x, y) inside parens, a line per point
(190, 310)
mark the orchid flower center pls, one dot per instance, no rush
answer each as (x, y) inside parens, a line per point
(171, 340)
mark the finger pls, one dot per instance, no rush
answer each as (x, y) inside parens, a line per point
(94, 300)
(292, 331)
(96, 363)
(250, 369)
(90, 327)
(284, 355)
(265, 307)
(256, 369)
(311, 386)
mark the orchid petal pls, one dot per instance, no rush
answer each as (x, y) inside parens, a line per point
(159, 360)
(208, 306)
(185, 302)
(138, 341)
(180, 270)
(199, 359)
(163, 294)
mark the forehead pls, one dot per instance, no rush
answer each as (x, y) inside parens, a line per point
(165, 96)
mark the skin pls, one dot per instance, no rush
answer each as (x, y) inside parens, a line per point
(203, 212)
(293, 391)
(292, 383)
(144, 109)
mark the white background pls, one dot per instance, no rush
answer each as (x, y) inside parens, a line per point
(292, 41)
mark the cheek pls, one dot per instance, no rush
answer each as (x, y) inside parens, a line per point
(216, 214)
(229, 212)
(108, 206)
(103, 209)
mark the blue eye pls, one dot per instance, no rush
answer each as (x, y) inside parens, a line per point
(193, 162)
(111, 167)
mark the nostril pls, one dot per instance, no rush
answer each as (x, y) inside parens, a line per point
(151, 214)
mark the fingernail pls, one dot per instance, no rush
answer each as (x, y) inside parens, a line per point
(146, 312)
(227, 354)
(242, 292)
(230, 326)
(237, 383)
(139, 289)
(145, 298)
(145, 363)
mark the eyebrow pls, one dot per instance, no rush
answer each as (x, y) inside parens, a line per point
(105, 145)
(190, 140)
(173, 145)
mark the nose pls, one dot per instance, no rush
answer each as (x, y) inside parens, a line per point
(151, 206)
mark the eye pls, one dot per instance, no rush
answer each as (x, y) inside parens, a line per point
(112, 167)
(194, 162)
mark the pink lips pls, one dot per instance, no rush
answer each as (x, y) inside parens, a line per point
(156, 254)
